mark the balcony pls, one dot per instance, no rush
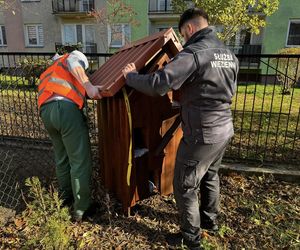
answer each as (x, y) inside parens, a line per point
(161, 10)
(72, 7)
(160, 6)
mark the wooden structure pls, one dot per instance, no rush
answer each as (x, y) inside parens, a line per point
(151, 119)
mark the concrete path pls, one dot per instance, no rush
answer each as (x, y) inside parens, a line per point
(280, 172)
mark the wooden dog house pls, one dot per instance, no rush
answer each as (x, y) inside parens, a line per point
(138, 134)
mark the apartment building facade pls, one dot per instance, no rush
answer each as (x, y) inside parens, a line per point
(44, 25)
(283, 28)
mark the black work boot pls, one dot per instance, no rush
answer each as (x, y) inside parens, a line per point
(176, 240)
(210, 226)
(68, 202)
(90, 212)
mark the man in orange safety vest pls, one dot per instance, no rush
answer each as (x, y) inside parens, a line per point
(61, 98)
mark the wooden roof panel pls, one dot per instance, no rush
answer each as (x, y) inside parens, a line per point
(109, 76)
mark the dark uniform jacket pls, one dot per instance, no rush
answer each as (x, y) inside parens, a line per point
(205, 71)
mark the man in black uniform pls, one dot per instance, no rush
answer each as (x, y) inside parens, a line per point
(205, 71)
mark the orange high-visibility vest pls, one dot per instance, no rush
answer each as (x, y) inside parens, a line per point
(58, 80)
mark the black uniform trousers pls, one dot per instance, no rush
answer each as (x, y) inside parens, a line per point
(196, 172)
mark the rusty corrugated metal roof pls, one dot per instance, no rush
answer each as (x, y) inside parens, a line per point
(109, 76)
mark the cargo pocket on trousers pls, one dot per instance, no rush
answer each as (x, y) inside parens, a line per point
(189, 175)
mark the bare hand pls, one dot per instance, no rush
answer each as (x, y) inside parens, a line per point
(92, 91)
(129, 68)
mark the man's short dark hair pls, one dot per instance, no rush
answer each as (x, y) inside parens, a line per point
(190, 14)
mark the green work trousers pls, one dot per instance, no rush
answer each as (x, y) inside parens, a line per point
(67, 127)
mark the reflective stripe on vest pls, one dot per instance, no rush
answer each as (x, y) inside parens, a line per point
(63, 83)
(58, 80)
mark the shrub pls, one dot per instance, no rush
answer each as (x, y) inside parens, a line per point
(48, 223)
(288, 69)
(67, 48)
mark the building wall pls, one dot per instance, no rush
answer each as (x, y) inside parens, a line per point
(22, 13)
(155, 26)
(12, 20)
(277, 26)
(141, 30)
(40, 12)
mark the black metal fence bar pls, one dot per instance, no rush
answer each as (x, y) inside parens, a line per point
(296, 137)
(262, 109)
(266, 108)
(292, 100)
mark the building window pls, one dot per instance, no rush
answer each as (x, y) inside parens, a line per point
(164, 5)
(34, 35)
(86, 5)
(3, 41)
(119, 35)
(84, 34)
(293, 37)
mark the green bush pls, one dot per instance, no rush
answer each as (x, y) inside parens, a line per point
(67, 48)
(289, 69)
(48, 223)
(32, 68)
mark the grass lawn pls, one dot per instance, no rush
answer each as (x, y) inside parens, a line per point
(266, 98)
(272, 130)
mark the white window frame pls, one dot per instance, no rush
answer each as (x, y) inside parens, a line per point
(83, 27)
(288, 32)
(2, 44)
(123, 35)
(39, 44)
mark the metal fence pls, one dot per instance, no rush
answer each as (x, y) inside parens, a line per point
(266, 108)
(25, 148)
(19, 119)
(9, 192)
